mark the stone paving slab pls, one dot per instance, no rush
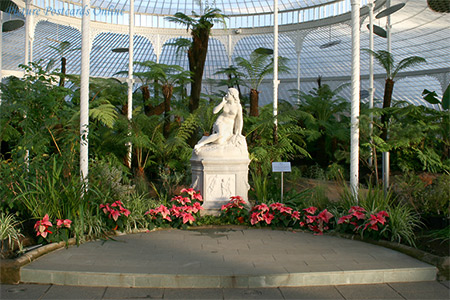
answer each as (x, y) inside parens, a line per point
(225, 258)
(415, 290)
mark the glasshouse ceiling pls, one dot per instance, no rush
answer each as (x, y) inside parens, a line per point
(415, 30)
(235, 7)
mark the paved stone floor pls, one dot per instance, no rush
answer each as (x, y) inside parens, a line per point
(266, 261)
(225, 258)
(416, 290)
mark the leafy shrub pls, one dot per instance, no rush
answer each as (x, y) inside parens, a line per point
(427, 194)
(358, 221)
(115, 214)
(184, 210)
(279, 215)
(48, 233)
(318, 223)
(235, 211)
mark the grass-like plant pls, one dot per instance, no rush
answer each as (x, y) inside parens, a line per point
(9, 233)
(442, 235)
(403, 222)
(138, 204)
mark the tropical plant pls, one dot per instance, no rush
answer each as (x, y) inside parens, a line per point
(200, 26)
(49, 191)
(427, 194)
(432, 98)
(324, 116)
(33, 113)
(164, 77)
(418, 138)
(256, 68)
(263, 151)
(233, 77)
(62, 49)
(386, 60)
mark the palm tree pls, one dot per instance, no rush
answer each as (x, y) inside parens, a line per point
(233, 77)
(200, 31)
(386, 60)
(164, 77)
(63, 48)
(257, 68)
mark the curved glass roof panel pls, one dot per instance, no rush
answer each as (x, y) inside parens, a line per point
(416, 30)
(241, 13)
(227, 7)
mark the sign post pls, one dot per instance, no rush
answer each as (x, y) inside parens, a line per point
(281, 167)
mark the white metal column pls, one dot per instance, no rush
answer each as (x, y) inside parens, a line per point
(371, 88)
(84, 94)
(27, 33)
(355, 87)
(298, 70)
(230, 50)
(27, 60)
(130, 79)
(275, 64)
(385, 155)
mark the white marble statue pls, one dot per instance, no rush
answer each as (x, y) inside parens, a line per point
(219, 162)
(228, 127)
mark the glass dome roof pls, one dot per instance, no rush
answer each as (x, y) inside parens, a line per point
(416, 30)
(228, 7)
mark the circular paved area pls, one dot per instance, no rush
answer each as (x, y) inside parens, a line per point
(225, 257)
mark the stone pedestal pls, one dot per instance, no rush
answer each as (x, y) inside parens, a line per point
(219, 172)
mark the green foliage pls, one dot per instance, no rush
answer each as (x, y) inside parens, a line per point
(233, 76)
(10, 233)
(426, 194)
(386, 60)
(442, 235)
(33, 112)
(403, 222)
(263, 151)
(371, 199)
(308, 197)
(48, 191)
(412, 138)
(324, 118)
(138, 204)
(259, 65)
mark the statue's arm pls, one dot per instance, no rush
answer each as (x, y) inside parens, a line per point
(220, 106)
(239, 121)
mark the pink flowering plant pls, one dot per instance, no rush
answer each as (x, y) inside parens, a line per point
(376, 225)
(185, 210)
(115, 215)
(317, 222)
(235, 211)
(353, 221)
(275, 214)
(357, 221)
(48, 233)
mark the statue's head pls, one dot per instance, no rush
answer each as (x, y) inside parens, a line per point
(234, 92)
